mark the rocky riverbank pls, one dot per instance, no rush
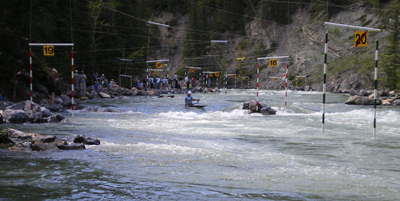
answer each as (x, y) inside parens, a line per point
(17, 140)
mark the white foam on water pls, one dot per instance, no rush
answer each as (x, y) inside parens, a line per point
(181, 115)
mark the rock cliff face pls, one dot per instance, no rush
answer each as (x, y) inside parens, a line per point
(349, 68)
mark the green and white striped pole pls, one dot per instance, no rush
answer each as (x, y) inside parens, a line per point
(324, 85)
(325, 67)
(225, 83)
(376, 85)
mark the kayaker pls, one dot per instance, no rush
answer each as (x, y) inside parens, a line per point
(189, 99)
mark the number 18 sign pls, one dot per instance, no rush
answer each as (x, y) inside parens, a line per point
(48, 50)
(273, 62)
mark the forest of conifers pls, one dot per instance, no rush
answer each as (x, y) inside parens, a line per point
(104, 30)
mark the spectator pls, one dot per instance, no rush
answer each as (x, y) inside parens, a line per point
(113, 84)
(95, 77)
(76, 79)
(164, 82)
(52, 79)
(102, 78)
(187, 82)
(158, 82)
(82, 83)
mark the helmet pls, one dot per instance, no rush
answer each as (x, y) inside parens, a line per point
(189, 92)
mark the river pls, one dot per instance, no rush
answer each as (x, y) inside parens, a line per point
(156, 149)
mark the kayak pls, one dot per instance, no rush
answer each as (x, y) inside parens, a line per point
(197, 105)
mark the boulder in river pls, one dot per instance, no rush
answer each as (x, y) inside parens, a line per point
(86, 140)
(262, 108)
(20, 141)
(15, 116)
(20, 113)
(362, 100)
(104, 95)
(43, 146)
(65, 145)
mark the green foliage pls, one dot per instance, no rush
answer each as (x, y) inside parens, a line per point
(262, 67)
(246, 43)
(391, 57)
(181, 72)
(336, 32)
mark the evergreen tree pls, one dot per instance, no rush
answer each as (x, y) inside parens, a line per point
(391, 56)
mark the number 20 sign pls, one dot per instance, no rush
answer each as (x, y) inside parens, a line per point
(48, 50)
(360, 39)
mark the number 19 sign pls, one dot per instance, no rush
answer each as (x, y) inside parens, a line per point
(360, 39)
(48, 50)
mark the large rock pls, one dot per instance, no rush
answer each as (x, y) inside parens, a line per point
(46, 139)
(45, 112)
(387, 101)
(262, 108)
(15, 116)
(67, 101)
(2, 105)
(53, 108)
(21, 146)
(43, 146)
(16, 135)
(93, 94)
(361, 100)
(17, 106)
(267, 111)
(34, 114)
(5, 140)
(65, 145)
(104, 95)
(86, 140)
(396, 102)
(253, 106)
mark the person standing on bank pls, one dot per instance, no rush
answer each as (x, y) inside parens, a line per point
(82, 83)
(76, 79)
(52, 78)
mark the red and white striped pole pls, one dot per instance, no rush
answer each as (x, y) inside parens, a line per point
(258, 68)
(286, 76)
(30, 78)
(72, 80)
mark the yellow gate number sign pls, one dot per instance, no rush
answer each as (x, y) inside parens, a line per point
(275, 79)
(48, 50)
(158, 65)
(232, 76)
(191, 70)
(273, 62)
(217, 74)
(284, 75)
(155, 72)
(244, 78)
(210, 74)
(360, 39)
(300, 78)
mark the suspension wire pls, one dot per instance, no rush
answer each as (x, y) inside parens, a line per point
(327, 10)
(30, 24)
(70, 18)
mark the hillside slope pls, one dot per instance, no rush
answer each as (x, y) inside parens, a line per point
(348, 67)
